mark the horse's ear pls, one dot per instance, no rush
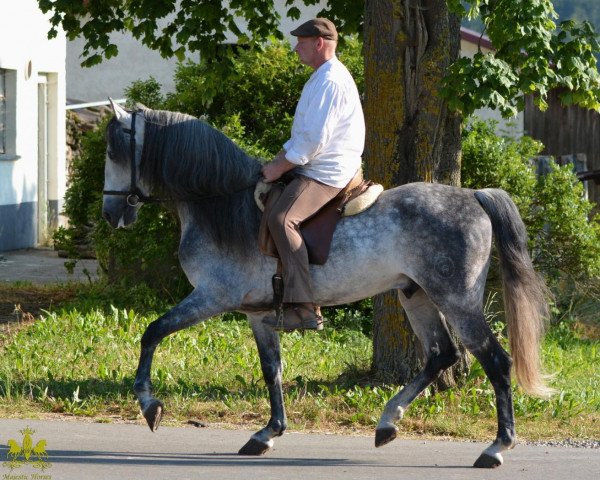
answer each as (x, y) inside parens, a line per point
(141, 106)
(122, 115)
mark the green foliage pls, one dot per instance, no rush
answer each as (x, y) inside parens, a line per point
(356, 316)
(146, 92)
(255, 110)
(84, 193)
(532, 56)
(255, 107)
(170, 27)
(259, 99)
(562, 236)
(567, 240)
(579, 10)
(493, 161)
(143, 254)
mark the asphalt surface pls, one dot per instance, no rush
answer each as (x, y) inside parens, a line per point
(43, 266)
(126, 451)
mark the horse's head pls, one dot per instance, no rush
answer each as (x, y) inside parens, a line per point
(123, 191)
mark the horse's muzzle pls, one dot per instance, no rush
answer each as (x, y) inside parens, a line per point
(119, 217)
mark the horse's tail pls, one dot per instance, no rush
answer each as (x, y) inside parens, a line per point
(525, 293)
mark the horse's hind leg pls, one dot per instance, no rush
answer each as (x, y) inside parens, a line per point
(187, 313)
(478, 338)
(440, 353)
(267, 342)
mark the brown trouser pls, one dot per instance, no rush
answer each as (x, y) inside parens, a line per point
(300, 200)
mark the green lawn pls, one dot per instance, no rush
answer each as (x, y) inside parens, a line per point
(83, 364)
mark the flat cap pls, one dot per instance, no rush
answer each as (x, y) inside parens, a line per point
(317, 27)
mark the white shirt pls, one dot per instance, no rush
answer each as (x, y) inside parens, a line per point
(328, 133)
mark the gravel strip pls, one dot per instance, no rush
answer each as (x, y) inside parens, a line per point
(568, 442)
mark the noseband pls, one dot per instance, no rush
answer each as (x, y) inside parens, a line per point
(134, 194)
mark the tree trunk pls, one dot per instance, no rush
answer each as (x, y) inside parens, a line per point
(411, 136)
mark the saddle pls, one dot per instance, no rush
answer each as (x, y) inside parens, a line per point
(318, 230)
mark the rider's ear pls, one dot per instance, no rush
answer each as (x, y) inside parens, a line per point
(122, 115)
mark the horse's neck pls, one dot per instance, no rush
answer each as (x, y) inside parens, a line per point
(200, 232)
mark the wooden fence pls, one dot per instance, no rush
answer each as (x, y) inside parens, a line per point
(568, 131)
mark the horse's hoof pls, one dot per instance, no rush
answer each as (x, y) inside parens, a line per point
(254, 447)
(385, 435)
(153, 414)
(488, 461)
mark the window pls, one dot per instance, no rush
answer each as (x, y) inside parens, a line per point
(8, 109)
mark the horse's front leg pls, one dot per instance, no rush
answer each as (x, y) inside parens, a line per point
(267, 342)
(189, 312)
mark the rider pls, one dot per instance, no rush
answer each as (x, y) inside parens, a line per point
(324, 150)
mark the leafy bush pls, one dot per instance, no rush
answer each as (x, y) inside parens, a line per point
(81, 198)
(563, 238)
(255, 109)
(144, 254)
(261, 95)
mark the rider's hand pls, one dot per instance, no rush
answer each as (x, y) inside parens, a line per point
(271, 172)
(275, 169)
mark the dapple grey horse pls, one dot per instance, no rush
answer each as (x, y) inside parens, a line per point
(430, 242)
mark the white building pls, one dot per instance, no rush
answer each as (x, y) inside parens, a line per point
(32, 126)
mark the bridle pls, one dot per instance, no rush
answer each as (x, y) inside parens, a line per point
(134, 194)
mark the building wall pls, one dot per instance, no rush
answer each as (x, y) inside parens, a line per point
(30, 58)
(136, 62)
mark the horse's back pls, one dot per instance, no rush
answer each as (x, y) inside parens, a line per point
(430, 212)
(434, 199)
(444, 221)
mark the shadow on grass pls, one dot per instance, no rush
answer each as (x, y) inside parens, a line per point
(73, 391)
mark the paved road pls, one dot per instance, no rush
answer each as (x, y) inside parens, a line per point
(125, 451)
(42, 266)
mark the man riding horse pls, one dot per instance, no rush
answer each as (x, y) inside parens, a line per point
(324, 152)
(443, 247)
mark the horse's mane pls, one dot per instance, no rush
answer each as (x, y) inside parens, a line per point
(185, 159)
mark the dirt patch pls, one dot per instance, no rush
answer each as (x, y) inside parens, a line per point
(18, 304)
(587, 330)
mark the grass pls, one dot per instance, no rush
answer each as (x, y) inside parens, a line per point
(82, 363)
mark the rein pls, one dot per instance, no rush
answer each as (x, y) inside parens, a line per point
(135, 195)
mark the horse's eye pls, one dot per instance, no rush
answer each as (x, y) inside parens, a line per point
(111, 155)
